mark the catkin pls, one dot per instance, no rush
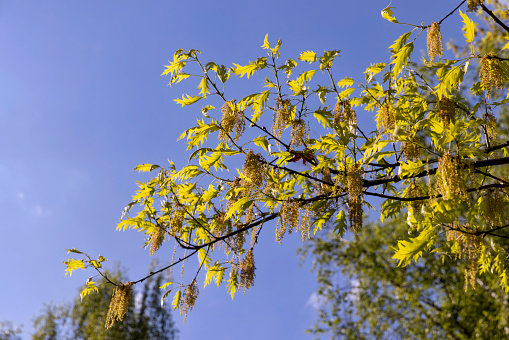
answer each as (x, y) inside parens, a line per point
(343, 113)
(411, 151)
(254, 169)
(415, 190)
(434, 41)
(491, 126)
(288, 218)
(231, 120)
(305, 222)
(299, 133)
(473, 4)
(189, 298)
(490, 73)
(354, 188)
(247, 271)
(281, 117)
(156, 239)
(119, 305)
(386, 119)
(493, 206)
(451, 177)
(447, 111)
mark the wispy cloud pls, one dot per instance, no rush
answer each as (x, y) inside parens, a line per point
(40, 211)
(316, 301)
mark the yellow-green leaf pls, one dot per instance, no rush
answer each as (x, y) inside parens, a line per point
(266, 42)
(505, 281)
(164, 297)
(308, 56)
(90, 288)
(176, 300)
(187, 100)
(400, 59)
(73, 264)
(345, 82)
(233, 283)
(204, 87)
(73, 250)
(146, 167)
(251, 68)
(262, 142)
(388, 15)
(468, 29)
(166, 285)
(412, 249)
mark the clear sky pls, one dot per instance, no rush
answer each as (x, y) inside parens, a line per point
(82, 103)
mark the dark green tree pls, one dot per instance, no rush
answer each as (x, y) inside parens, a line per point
(85, 319)
(364, 295)
(8, 331)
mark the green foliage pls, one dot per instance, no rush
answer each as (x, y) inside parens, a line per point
(433, 158)
(8, 331)
(362, 294)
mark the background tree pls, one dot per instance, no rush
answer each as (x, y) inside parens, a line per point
(431, 158)
(363, 295)
(85, 319)
(8, 331)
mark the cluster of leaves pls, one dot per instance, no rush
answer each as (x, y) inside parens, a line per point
(433, 158)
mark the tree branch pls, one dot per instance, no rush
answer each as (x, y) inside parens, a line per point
(494, 17)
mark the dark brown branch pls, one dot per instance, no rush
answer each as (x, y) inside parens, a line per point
(482, 233)
(167, 267)
(397, 178)
(454, 10)
(421, 198)
(494, 17)
(491, 176)
(496, 147)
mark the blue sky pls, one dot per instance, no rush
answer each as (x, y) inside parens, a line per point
(82, 103)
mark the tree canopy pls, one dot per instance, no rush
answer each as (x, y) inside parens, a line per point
(295, 151)
(425, 301)
(85, 318)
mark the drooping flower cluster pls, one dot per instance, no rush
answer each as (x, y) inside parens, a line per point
(178, 218)
(305, 222)
(415, 190)
(467, 247)
(491, 127)
(354, 188)
(247, 271)
(434, 41)
(386, 119)
(411, 151)
(281, 117)
(451, 177)
(189, 298)
(447, 111)
(493, 206)
(232, 119)
(327, 178)
(288, 218)
(254, 169)
(156, 239)
(119, 305)
(473, 4)
(343, 113)
(300, 132)
(490, 73)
